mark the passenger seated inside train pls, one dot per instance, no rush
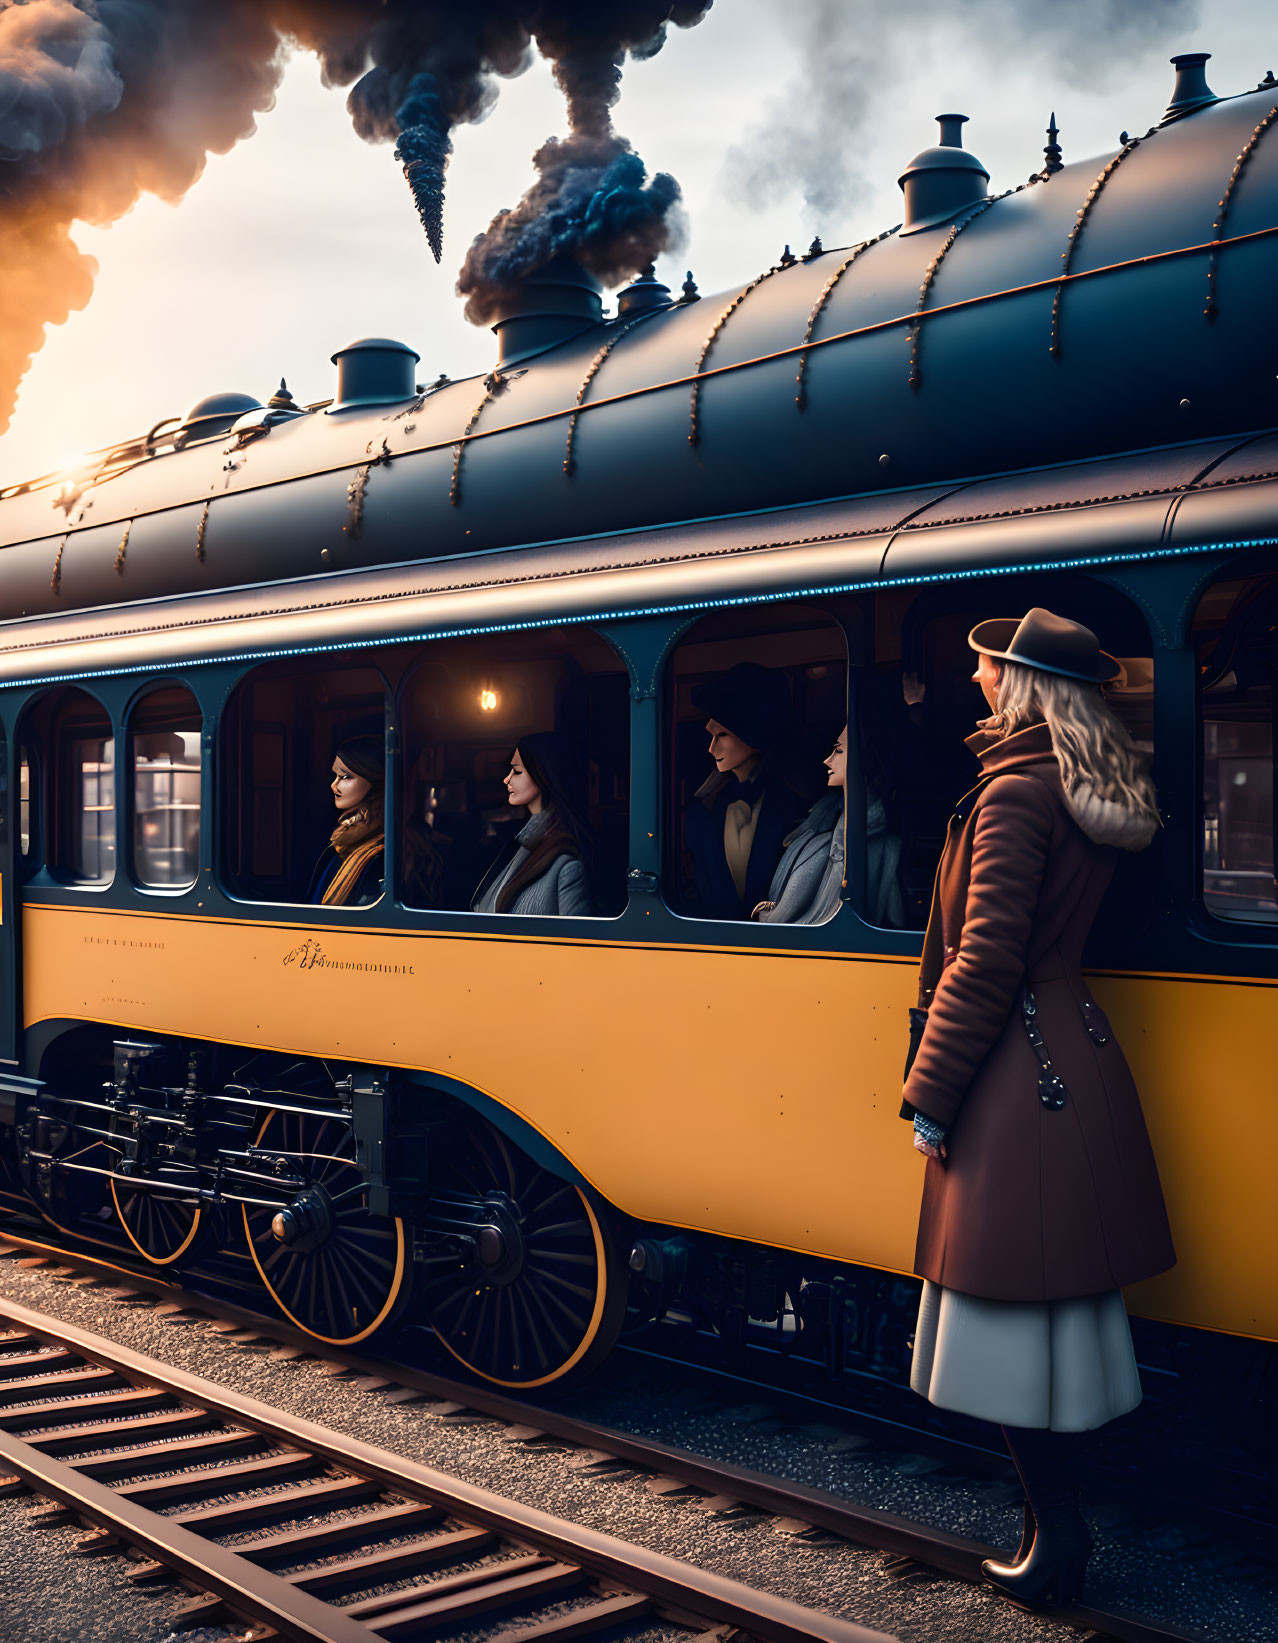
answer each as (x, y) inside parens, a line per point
(350, 871)
(517, 761)
(807, 886)
(543, 872)
(742, 812)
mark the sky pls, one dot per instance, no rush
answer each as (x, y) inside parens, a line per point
(781, 119)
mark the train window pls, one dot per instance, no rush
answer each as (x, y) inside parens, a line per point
(918, 703)
(542, 833)
(1236, 642)
(281, 733)
(81, 845)
(165, 737)
(756, 700)
(24, 802)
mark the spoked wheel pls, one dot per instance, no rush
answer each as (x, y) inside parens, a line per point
(332, 1268)
(538, 1291)
(160, 1228)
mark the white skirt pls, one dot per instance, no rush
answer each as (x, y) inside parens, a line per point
(1067, 1365)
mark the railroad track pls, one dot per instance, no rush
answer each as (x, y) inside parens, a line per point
(805, 1510)
(114, 1437)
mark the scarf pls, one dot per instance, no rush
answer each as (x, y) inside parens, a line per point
(544, 844)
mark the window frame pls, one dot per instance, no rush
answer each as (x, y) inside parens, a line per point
(137, 706)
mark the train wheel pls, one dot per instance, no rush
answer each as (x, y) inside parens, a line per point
(332, 1268)
(162, 1229)
(541, 1292)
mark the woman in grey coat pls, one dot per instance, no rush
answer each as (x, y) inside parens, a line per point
(543, 873)
(808, 883)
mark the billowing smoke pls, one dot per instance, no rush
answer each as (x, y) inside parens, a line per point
(852, 57)
(592, 199)
(102, 100)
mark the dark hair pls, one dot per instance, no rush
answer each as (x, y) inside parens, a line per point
(365, 757)
(558, 770)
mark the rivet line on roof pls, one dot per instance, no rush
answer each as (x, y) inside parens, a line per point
(933, 268)
(570, 464)
(1076, 233)
(694, 431)
(818, 308)
(494, 385)
(1227, 200)
(354, 526)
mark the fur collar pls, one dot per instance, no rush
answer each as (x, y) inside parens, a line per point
(1107, 822)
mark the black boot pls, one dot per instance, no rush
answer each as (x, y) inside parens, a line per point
(1051, 1571)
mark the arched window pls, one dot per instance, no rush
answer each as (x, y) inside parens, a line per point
(67, 786)
(561, 698)
(165, 738)
(756, 701)
(1234, 638)
(280, 733)
(917, 704)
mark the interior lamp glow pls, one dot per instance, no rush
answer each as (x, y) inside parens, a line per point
(488, 700)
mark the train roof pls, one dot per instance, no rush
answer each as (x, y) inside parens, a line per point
(1078, 335)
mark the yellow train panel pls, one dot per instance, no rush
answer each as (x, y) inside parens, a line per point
(752, 1094)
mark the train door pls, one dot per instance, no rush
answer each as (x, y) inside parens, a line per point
(8, 910)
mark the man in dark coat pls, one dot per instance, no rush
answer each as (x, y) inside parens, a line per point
(738, 820)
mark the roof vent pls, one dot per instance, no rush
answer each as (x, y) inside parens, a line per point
(1191, 90)
(942, 182)
(644, 292)
(213, 415)
(374, 371)
(549, 306)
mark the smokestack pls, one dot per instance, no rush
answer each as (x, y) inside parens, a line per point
(1191, 90)
(374, 371)
(548, 307)
(943, 181)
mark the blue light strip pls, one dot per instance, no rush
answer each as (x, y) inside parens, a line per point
(1137, 556)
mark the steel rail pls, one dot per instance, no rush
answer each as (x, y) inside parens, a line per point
(867, 1526)
(669, 1583)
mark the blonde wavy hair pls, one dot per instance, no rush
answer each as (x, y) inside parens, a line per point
(1092, 748)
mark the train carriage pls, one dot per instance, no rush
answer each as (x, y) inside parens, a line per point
(527, 1129)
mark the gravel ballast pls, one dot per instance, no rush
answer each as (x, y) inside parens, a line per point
(848, 1581)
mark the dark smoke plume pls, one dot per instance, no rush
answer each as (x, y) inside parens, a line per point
(592, 199)
(102, 100)
(852, 56)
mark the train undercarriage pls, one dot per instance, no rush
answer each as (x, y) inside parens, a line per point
(361, 1201)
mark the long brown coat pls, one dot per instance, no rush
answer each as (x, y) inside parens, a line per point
(1030, 1204)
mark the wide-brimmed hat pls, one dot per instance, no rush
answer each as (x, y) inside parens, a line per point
(1050, 643)
(750, 700)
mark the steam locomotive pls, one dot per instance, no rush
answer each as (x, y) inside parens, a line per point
(531, 1133)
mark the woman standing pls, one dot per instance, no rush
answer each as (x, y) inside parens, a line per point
(543, 873)
(1041, 1197)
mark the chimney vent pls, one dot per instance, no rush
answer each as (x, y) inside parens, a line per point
(942, 183)
(374, 371)
(213, 415)
(1191, 90)
(548, 307)
(644, 292)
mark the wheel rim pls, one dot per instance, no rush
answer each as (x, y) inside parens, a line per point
(564, 1306)
(347, 1286)
(159, 1228)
